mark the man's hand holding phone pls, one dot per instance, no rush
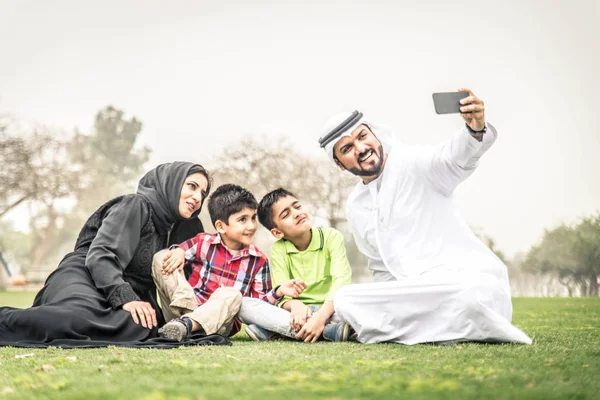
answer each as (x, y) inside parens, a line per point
(472, 110)
(470, 107)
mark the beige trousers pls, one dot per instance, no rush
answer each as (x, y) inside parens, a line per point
(177, 299)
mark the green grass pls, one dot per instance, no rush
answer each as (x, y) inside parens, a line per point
(19, 298)
(563, 363)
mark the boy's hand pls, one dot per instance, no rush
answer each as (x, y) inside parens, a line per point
(299, 314)
(174, 259)
(312, 330)
(292, 288)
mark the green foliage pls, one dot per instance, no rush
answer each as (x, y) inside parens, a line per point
(108, 159)
(561, 363)
(19, 298)
(35, 168)
(18, 244)
(262, 166)
(491, 244)
(265, 165)
(570, 252)
(64, 179)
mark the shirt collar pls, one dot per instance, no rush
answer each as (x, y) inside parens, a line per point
(248, 250)
(316, 242)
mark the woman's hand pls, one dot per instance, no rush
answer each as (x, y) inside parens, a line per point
(142, 311)
(174, 260)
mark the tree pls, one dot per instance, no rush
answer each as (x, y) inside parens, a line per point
(34, 167)
(108, 159)
(14, 245)
(587, 249)
(491, 244)
(54, 180)
(105, 164)
(572, 254)
(62, 180)
(262, 166)
(14, 154)
(35, 173)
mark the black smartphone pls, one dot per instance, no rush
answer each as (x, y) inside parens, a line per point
(449, 102)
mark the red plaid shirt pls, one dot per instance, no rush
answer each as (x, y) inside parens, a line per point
(213, 266)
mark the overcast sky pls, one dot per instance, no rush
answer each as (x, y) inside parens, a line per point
(202, 74)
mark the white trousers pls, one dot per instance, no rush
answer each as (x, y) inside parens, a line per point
(436, 307)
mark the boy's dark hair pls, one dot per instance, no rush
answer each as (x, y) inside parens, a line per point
(227, 200)
(265, 207)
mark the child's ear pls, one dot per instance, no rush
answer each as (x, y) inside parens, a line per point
(277, 233)
(220, 226)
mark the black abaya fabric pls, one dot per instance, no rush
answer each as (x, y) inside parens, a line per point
(152, 343)
(195, 339)
(81, 302)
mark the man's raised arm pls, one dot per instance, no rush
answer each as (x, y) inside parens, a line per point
(455, 160)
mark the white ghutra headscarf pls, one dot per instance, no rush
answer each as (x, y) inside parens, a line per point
(342, 124)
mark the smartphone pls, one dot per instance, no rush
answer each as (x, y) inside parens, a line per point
(449, 102)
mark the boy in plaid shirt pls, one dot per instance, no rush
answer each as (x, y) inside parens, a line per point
(225, 267)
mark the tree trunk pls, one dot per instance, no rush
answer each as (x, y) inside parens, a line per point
(2, 281)
(13, 205)
(593, 288)
(46, 241)
(566, 285)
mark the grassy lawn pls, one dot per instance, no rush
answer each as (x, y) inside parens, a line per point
(563, 363)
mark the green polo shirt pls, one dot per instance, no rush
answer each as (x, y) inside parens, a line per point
(323, 265)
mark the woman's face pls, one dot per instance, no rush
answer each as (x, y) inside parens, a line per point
(192, 193)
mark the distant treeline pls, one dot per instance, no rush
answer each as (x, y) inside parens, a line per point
(60, 179)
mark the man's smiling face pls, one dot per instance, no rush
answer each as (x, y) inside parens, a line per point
(361, 153)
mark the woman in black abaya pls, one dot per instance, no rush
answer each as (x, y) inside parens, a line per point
(103, 291)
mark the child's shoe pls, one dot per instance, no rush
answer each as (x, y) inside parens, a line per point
(176, 329)
(259, 334)
(338, 332)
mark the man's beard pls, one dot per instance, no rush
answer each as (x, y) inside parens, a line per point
(373, 172)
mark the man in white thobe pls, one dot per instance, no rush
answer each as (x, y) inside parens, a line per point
(434, 280)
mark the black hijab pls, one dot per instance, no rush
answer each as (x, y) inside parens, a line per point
(161, 186)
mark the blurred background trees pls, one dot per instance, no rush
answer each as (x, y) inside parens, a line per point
(262, 165)
(52, 181)
(570, 254)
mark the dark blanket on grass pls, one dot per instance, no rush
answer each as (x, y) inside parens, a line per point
(70, 312)
(154, 343)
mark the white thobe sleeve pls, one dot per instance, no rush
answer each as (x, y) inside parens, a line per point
(375, 264)
(382, 276)
(454, 160)
(361, 243)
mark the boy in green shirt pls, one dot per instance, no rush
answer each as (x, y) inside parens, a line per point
(313, 255)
